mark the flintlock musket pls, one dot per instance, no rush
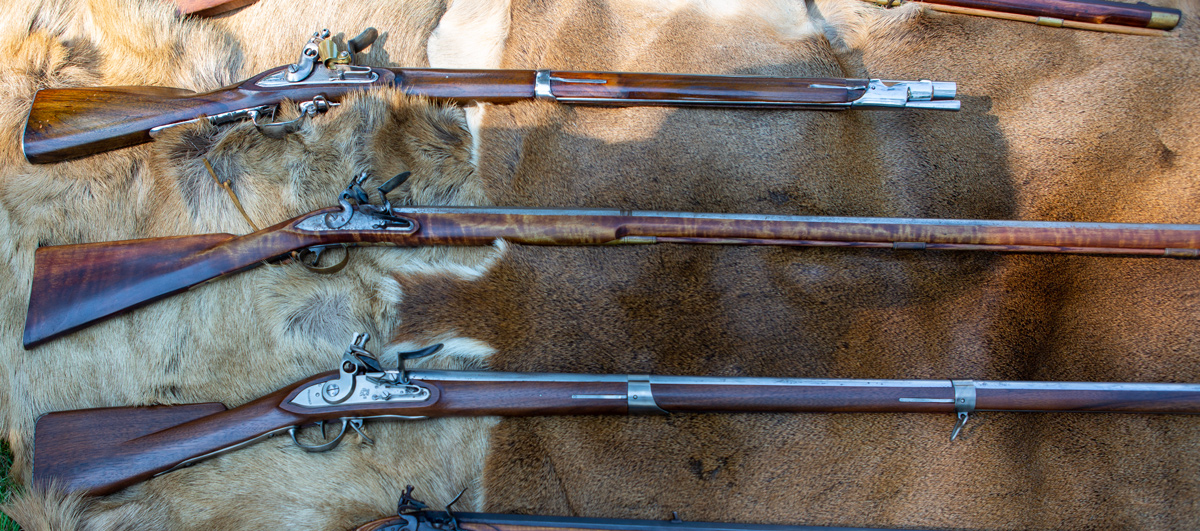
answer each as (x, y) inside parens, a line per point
(414, 515)
(1094, 15)
(68, 123)
(77, 285)
(104, 450)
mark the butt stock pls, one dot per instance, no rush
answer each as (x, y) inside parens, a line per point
(70, 123)
(77, 285)
(100, 451)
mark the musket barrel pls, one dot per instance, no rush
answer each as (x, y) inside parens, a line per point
(470, 225)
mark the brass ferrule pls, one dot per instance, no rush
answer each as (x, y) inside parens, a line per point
(1162, 20)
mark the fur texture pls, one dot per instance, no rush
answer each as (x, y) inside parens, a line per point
(1057, 124)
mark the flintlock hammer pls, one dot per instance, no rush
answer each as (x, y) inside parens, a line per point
(68, 123)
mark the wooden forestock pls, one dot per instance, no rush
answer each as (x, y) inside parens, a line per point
(69, 123)
(103, 450)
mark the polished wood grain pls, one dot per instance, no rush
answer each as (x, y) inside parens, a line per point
(1091, 11)
(76, 285)
(69, 123)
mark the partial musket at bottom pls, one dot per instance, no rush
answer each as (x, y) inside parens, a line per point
(103, 450)
(411, 515)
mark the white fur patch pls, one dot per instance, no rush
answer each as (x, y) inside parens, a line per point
(471, 35)
(457, 352)
(454, 268)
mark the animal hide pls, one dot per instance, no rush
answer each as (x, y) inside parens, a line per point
(1057, 124)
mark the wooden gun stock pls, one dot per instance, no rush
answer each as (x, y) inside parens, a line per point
(74, 122)
(107, 449)
(69, 123)
(76, 285)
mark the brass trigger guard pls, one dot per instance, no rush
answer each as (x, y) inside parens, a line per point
(315, 252)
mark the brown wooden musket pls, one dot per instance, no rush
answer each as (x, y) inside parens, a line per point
(67, 123)
(413, 516)
(77, 285)
(103, 450)
(1095, 15)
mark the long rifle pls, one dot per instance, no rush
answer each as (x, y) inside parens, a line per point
(1094, 15)
(77, 285)
(413, 515)
(103, 450)
(75, 122)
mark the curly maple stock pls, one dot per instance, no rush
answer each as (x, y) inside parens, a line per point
(68, 123)
(100, 451)
(77, 285)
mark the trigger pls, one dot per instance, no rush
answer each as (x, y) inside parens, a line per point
(315, 252)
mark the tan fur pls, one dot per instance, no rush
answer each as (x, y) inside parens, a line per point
(1056, 125)
(271, 326)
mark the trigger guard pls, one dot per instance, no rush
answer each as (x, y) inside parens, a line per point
(317, 448)
(327, 270)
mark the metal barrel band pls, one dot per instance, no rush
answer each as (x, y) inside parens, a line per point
(964, 404)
